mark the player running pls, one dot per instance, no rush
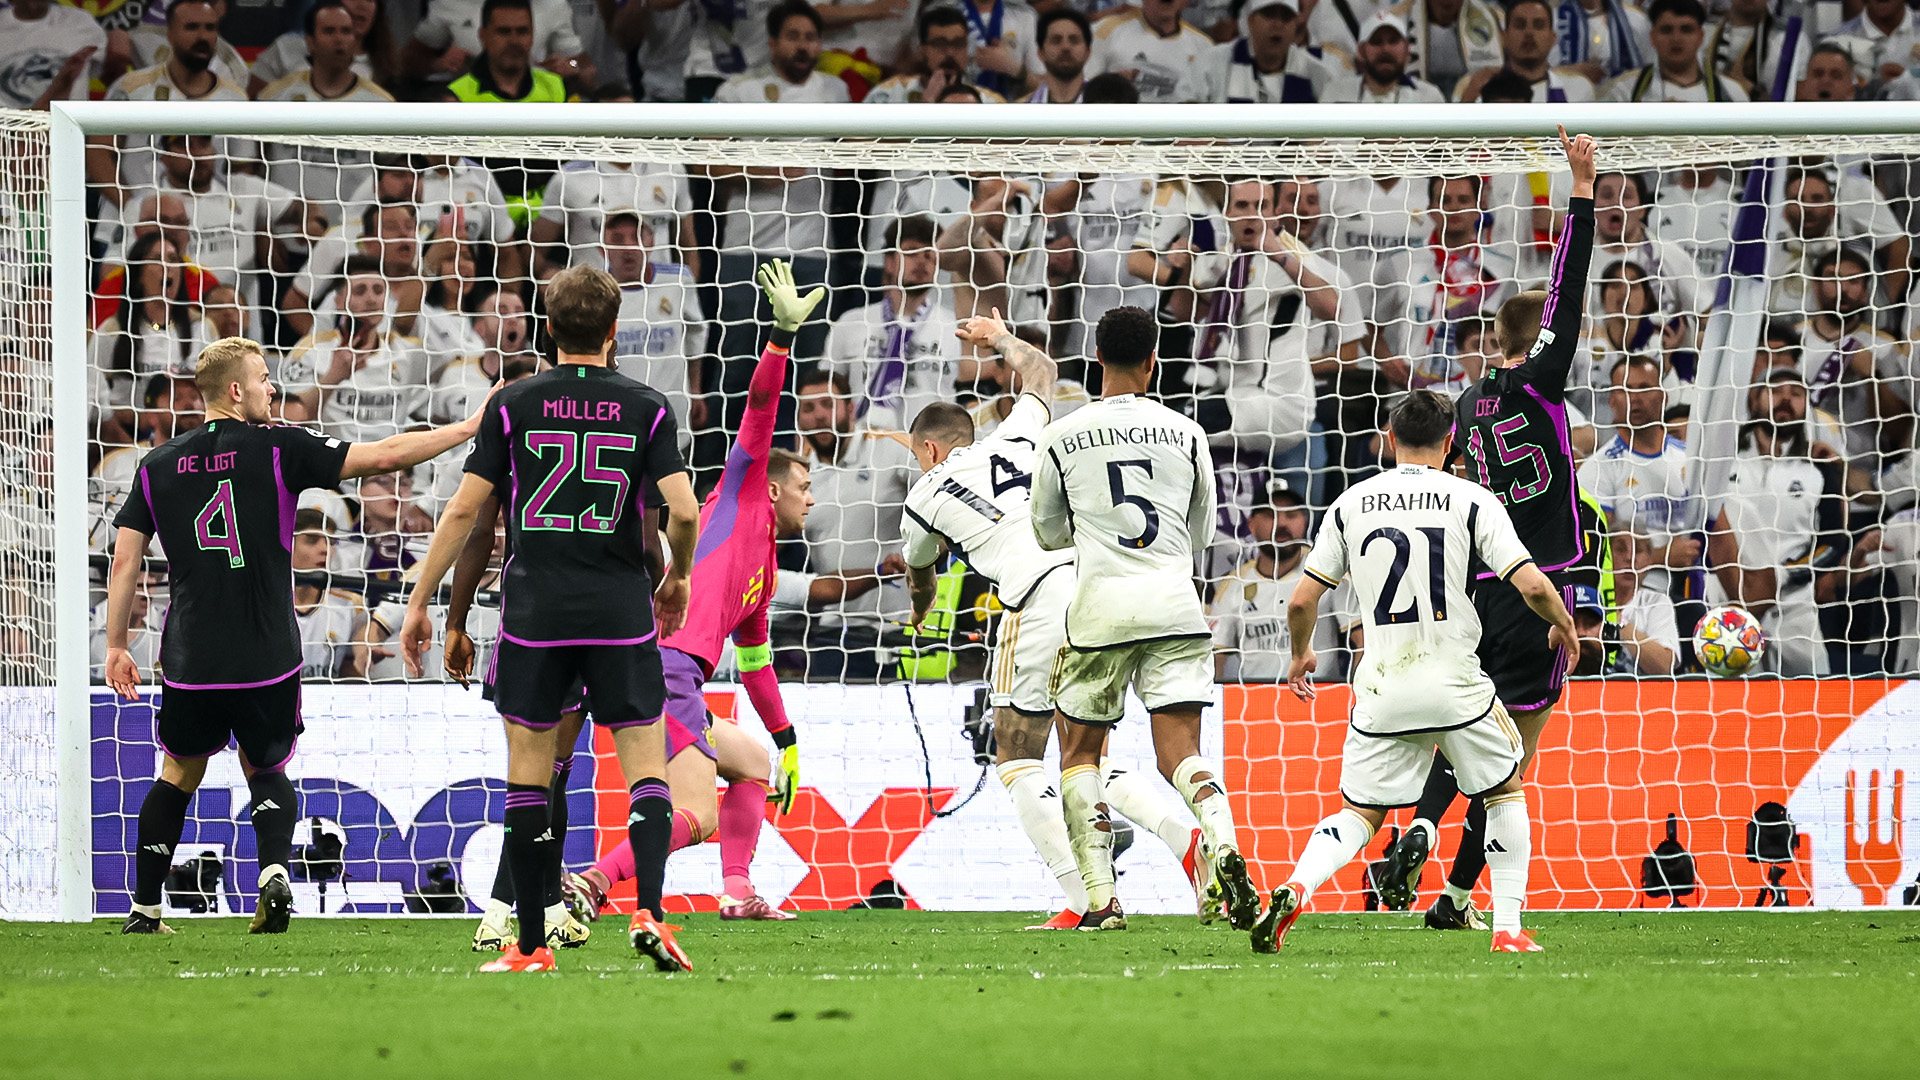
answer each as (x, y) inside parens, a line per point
(1512, 426)
(1128, 484)
(763, 494)
(575, 447)
(972, 500)
(1407, 538)
(221, 500)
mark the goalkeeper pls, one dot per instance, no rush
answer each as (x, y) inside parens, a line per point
(762, 495)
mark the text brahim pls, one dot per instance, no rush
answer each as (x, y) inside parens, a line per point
(1397, 501)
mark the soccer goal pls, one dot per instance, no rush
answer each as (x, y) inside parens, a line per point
(1743, 405)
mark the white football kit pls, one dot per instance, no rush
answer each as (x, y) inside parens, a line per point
(1406, 537)
(977, 501)
(1128, 484)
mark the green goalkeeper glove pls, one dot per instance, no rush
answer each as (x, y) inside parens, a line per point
(790, 309)
(786, 779)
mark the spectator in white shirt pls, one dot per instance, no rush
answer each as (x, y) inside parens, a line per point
(48, 52)
(943, 45)
(325, 176)
(883, 28)
(1677, 73)
(1744, 45)
(370, 54)
(115, 164)
(772, 211)
(1890, 35)
(1066, 45)
(1167, 58)
(899, 353)
(1529, 44)
(661, 336)
(360, 379)
(1381, 61)
(1264, 66)
(860, 483)
(573, 211)
(448, 39)
(1452, 37)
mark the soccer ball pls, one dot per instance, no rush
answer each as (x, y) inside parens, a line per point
(1729, 642)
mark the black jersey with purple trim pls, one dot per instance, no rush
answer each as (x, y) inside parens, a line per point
(1512, 424)
(222, 498)
(573, 452)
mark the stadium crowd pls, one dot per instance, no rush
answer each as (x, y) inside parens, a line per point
(392, 290)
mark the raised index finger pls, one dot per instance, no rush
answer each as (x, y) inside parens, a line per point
(1566, 143)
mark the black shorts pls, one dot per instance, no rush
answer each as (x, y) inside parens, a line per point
(533, 685)
(574, 701)
(1527, 673)
(264, 720)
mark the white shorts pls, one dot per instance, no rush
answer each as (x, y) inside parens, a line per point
(1090, 685)
(1384, 772)
(1027, 645)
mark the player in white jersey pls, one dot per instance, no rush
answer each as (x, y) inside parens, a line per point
(972, 501)
(1408, 538)
(1128, 484)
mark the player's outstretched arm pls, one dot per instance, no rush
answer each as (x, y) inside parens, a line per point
(468, 569)
(410, 448)
(129, 551)
(1303, 610)
(1538, 591)
(449, 537)
(683, 532)
(790, 309)
(1038, 372)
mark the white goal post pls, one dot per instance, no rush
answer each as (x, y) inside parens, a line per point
(1317, 140)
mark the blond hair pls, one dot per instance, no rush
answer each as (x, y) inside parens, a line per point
(220, 366)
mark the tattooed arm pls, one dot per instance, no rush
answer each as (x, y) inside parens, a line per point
(1038, 372)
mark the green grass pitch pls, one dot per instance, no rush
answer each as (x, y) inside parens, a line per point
(920, 994)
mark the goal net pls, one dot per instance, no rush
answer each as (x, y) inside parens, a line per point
(1741, 409)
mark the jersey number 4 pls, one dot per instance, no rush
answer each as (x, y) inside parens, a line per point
(1402, 555)
(219, 513)
(583, 451)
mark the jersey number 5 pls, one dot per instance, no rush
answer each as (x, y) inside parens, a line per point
(1402, 555)
(1117, 487)
(219, 510)
(584, 451)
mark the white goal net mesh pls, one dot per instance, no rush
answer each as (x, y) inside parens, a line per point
(1746, 425)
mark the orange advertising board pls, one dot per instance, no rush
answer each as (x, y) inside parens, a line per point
(1616, 760)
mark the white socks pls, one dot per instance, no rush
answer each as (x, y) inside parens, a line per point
(1088, 832)
(1216, 817)
(1509, 840)
(1139, 798)
(496, 912)
(1334, 843)
(1041, 815)
(274, 871)
(556, 915)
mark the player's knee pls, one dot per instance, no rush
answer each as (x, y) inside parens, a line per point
(1019, 736)
(183, 773)
(705, 821)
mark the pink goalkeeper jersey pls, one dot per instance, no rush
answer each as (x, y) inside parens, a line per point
(733, 564)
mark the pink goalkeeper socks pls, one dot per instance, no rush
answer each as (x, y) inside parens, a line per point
(743, 810)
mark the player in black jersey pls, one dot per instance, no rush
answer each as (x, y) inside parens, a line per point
(221, 499)
(1511, 426)
(573, 450)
